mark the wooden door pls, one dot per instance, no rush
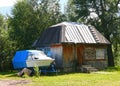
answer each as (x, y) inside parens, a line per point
(79, 53)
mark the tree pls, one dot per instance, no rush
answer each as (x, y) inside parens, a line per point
(70, 11)
(6, 46)
(30, 18)
(103, 15)
(2, 40)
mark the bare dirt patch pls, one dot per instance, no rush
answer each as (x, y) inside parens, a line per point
(6, 82)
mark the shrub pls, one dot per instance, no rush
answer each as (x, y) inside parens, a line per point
(36, 70)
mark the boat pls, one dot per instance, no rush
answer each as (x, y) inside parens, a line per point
(31, 58)
(38, 59)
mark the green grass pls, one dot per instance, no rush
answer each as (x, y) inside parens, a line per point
(109, 77)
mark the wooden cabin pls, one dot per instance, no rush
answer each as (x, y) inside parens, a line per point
(73, 44)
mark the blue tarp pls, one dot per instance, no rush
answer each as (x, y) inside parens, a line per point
(19, 60)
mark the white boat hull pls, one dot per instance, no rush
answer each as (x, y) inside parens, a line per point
(39, 63)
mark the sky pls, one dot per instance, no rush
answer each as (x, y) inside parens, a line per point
(6, 5)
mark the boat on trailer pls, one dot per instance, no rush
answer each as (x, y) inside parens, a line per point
(31, 58)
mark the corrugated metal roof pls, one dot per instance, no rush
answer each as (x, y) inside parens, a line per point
(70, 32)
(78, 34)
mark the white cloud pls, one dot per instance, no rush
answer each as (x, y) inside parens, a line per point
(6, 3)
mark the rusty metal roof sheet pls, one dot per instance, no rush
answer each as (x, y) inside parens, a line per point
(67, 32)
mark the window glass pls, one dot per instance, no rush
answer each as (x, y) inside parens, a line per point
(100, 53)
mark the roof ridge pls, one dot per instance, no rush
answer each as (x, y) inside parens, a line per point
(66, 23)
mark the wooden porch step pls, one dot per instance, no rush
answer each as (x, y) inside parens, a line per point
(88, 69)
(86, 66)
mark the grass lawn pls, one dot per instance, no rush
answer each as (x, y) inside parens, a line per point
(101, 78)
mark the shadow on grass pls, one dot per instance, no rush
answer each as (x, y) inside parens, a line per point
(112, 69)
(60, 73)
(14, 73)
(9, 74)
